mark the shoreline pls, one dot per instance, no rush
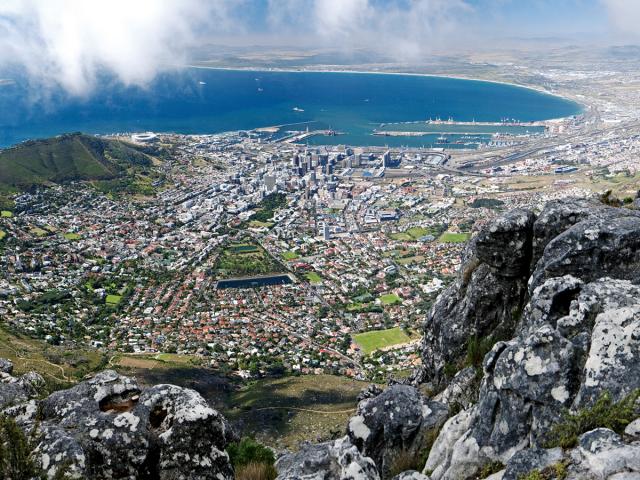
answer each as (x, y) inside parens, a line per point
(408, 74)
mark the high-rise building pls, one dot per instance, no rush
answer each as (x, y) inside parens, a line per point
(269, 183)
(326, 232)
(386, 159)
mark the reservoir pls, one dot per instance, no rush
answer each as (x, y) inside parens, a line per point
(204, 101)
(255, 282)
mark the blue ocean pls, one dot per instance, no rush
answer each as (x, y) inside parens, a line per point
(199, 101)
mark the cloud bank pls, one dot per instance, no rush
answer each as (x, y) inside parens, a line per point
(70, 42)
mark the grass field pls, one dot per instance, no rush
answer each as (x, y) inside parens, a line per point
(449, 237)
(410, 260)
(38, 232)
(113, 299)
(376, 339)
(413, 234)
(313, 277)
(284, 412)
(56, 364)
(390, 299)
(6, 214)
(2, 234)
(259, 224)
(72, 236)
(290, 255)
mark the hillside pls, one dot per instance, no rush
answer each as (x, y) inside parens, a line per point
(66, 158)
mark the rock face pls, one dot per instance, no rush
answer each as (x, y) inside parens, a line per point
(16, 390)
(578, 337)
(487, 296)
(397, 423)
(338, 460)
(515, 254)
(108, 427)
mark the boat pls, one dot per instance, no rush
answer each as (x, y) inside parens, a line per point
(296, 109)
(202, 83)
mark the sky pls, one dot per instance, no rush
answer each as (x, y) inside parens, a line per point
(69, 43)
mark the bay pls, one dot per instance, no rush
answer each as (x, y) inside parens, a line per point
(204, 101)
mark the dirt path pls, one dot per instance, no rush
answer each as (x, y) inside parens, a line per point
(325, 412)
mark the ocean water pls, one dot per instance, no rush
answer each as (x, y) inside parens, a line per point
(199, 101)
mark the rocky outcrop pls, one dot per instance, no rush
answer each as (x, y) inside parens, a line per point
(398, 423)
(557, 363)
(486, 297)
(578, 337)
(338, 460)
(15, 390)
(109, 427)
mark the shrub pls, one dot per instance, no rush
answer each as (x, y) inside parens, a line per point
(605, 413)
(557, 471)
(249, 451)
(15, 450)
(490, 468)
(477, 348)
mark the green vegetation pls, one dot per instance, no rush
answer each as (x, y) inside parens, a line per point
(59, 366)
(6, 214)
(245, 259)
(243, 248)
(286, 411)
(15, 452)
(268, 207)
(66, 158)
(251, 460)
(38, 232)
(486, 203)
(2, 234)
(450, 237)
(40, 304)
(557, 471)
(390, 299)
(414, 233)
(313, 277)
(113, 299)
(410, 260)
(258, 224)
(290, 255)
(72, 236)
(605, 413)
(489, 469)
(376, 339)
(477, 349)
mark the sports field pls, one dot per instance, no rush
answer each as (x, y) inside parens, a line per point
(113, 299)
(376, 339)
(390, 299)
(449, 237)
(313, 277)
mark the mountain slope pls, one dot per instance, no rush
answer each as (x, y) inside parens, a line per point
(66, 158)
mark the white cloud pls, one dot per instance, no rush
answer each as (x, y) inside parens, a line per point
(69, 42)
(406, 29)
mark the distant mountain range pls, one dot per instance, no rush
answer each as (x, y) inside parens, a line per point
(66, 158)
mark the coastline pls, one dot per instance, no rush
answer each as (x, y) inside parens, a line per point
(408, 74)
